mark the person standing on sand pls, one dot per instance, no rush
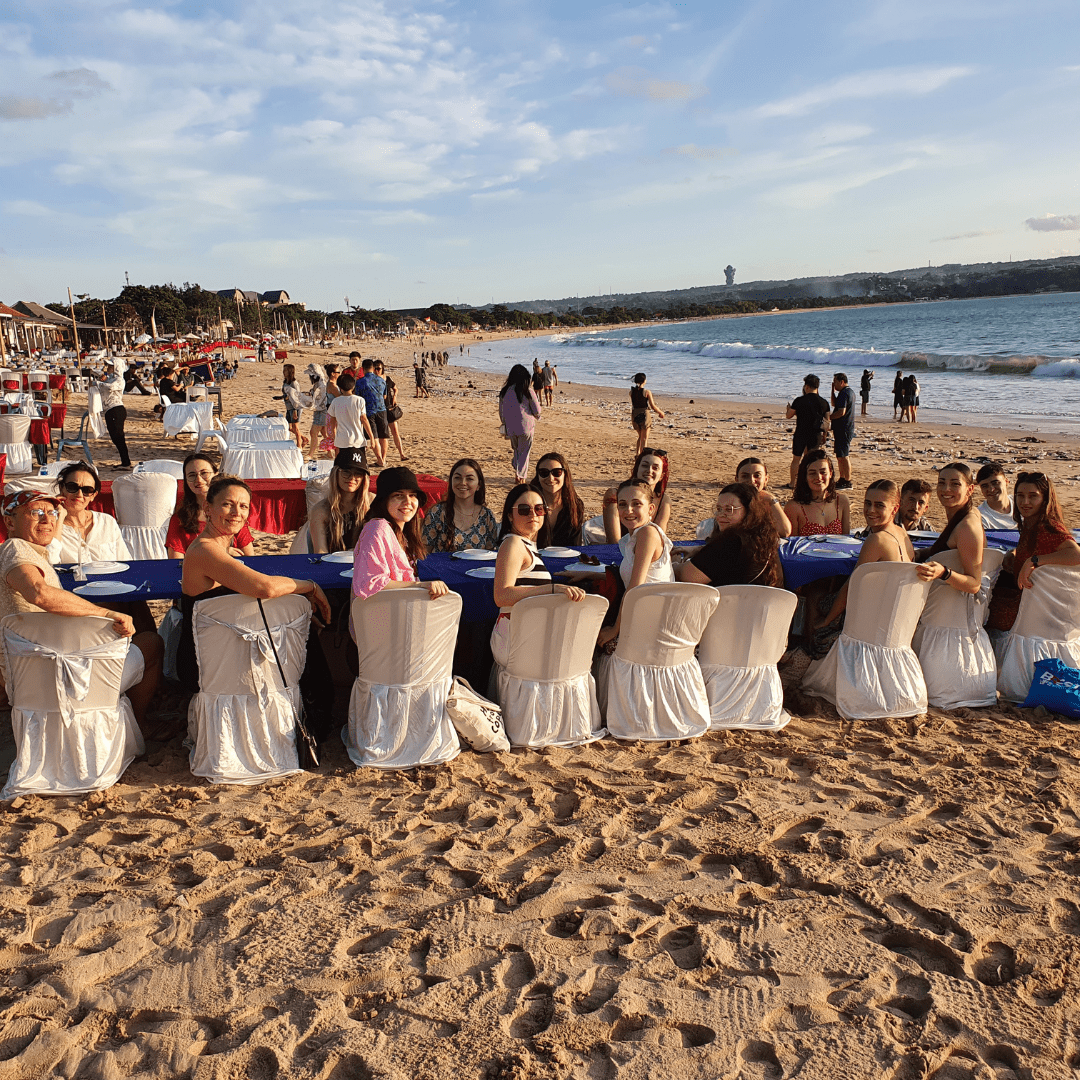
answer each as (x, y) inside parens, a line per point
(551, 380)
(641, 402)
(864, 388)
(519, 410)
(347, 421)
(538, 381)
(898, 395)
(809, 412)
(843, 427)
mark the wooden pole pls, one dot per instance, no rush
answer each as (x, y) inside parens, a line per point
(3, 341)
(74, 328)
(105, 324)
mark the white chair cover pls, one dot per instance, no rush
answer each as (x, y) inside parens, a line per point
(96, 418)
(318, 469)
(192, 416)
(397, 711)
(252, 462)
(871, 671)
(173, 468)
(196, 393)
(144, 504)
(299, 545)
(991, 571)
(593, 532)
(9, 381)
(243, 720)
(953, 648)
(1047, 626)
(14, 441)
(704, 529)
(654, 688)
(315, 491)
(742, 643)
(546, 690)
(217, 435)
(74, 731)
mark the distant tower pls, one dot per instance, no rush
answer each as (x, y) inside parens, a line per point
(729, 273)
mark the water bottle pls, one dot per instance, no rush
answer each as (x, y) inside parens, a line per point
(44, 471)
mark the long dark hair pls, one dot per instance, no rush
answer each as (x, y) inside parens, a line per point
(505, 524)
(1048, 516)
(410, 537)
(188, 510)
(448, 500)
(966, 473)
(572, 509)
(756, 532)
(802, 493)
(664, 475)
(520, 380)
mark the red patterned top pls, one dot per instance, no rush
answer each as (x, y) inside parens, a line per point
(812, 528)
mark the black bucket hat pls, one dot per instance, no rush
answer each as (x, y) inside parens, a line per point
(400, 479)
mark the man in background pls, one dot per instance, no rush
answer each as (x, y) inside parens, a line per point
(372, 389)
(914, 502)
(843, 427)
(809, 412)
(551, 380)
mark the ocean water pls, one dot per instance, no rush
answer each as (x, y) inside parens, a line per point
(1000, 359)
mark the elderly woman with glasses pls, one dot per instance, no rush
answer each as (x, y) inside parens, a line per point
(86, 535)
(519, 570)
(28, 582)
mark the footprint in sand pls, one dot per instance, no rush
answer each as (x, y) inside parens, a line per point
(997, 965)
(763, 1056)
(929, 954)
(537, 1014)
(684, 947)
(1065, 917)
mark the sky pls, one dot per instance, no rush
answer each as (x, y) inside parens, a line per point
(410, 153)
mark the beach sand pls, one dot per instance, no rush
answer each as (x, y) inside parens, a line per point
(897, 898)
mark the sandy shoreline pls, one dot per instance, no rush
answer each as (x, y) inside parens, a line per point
(892, 899)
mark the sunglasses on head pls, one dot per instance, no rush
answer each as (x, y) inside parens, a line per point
(525, 510)
(655, 453)
(76, 489)
(545, 473)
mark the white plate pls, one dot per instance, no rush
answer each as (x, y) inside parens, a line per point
(923, 534)
(852, 541)
(346, 573)
(476, 554)
(583, 568)
(481, 572)
(105, 588)
(827, 553)
(105, 567)
(559, 552)
(337, 556)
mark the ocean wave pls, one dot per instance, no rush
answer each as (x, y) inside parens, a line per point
(1045, 366)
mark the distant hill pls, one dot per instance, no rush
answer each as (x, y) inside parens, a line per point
(951, 281)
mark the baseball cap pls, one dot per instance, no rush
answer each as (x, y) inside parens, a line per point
(351, 457)
(15, 499)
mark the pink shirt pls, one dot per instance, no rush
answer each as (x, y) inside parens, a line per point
(378, 558)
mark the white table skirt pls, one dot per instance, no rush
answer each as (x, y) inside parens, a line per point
(266, 430)
(191, 416)
(255, 463)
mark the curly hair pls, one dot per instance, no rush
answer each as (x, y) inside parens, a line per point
(572, 510)
(756, 533)
(802, 493)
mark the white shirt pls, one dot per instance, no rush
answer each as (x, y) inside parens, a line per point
(347, 410)
(112, 391)
(105, 543)
(660, 571)
(993, 519)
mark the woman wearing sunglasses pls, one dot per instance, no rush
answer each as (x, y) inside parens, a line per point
(86, 535)
(565, 511)
(190, 517)
(519, 571)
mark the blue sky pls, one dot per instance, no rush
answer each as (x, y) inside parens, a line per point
(408, 153)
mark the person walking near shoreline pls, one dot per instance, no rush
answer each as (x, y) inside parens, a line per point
(641, 402)
(809, 412)
(551, 380)
(843, 427)
(864, 388)
(519, 411)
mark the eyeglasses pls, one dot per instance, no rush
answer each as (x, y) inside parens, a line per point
(545, 473)
(525, 510)
(733, 509)
(75, 489)
(40, 513)
(204, 475)
(352, 474)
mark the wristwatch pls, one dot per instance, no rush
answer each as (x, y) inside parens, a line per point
(1034, 561)
(947, 574)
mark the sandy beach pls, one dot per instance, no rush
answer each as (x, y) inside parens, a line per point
(898, 898)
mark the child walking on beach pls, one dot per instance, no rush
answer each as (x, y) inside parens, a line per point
(641, 402)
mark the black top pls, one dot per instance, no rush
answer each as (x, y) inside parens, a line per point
(810, 410)
(561, 532)
(638, 400)
(725, 562)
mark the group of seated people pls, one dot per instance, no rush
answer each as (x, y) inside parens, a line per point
(389, 537)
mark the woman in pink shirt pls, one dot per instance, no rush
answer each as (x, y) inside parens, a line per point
(390, 546)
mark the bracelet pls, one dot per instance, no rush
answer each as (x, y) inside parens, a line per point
(946, 575)
(553, 588)
(1034, 561)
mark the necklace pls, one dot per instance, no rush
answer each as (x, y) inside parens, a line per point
(462, 521)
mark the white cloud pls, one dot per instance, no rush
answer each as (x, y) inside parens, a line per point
(867, 84)
(1054, 223)
(636, 82)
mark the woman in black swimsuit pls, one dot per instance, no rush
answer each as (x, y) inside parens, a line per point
(209, 571)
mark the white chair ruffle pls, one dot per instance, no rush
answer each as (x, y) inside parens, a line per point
(15, 442)
(742, 643)
(953, 648)
(593, 532)
(189, 416)
(1047, 626)
(144, 504)
(654, 689)
(871, 671)
(546, 690)
(243, 720)
(397, 709)
(74, 731)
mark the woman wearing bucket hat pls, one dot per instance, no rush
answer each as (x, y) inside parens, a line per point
(390, 544)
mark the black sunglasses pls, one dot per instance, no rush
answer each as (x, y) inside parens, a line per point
(524, 510)
(545, 473)
(74, 489)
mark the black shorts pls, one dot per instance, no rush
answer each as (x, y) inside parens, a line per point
(801, 443)
(379, 425)
(841, 441)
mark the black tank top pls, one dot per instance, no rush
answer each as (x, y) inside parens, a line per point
(637, 398)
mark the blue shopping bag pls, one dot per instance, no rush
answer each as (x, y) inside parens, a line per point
(1055, 687)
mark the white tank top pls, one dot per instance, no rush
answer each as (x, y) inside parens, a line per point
(660, 571)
